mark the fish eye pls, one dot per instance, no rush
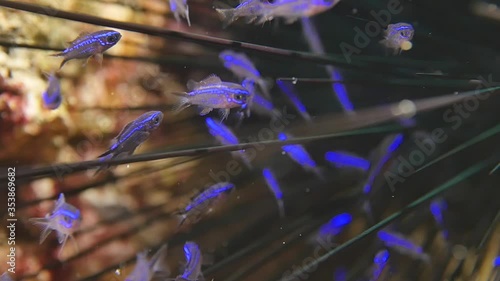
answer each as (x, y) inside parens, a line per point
(156, 120)
(111, 38)
(240, 97)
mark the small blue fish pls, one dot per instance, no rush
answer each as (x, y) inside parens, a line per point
(398, 37)
(292, 10)
(437, 207)
(88, 45)
(64, 220)
(251, 9)
(342, 160)
(132, 135)
(6, 277)
(289, 91)
(333, 227)
(258, 103)
(180, 8)
(496, 262)
(145, 270)
(399, 243)
(194, 259)
(300, 155)
(226, 137)
(243, 68)
(272, 183)
(52, 97)
(211, 93)
(379, 261)
(204, 202)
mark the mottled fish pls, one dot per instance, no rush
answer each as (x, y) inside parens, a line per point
(211, 93)
(398, 37)
(52, 97)
(204, 202)
(132, 135)
(64, 220)
(180, 8)
(145, 270)
(88, 45)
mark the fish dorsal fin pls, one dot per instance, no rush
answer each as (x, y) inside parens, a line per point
(211, 79)
(79, 37)
(60, 201)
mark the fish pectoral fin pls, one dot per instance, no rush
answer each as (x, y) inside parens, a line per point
(99, 58)
(205, 111)
(44, 225)
(223, 113)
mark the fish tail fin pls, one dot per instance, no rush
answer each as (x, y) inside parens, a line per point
(228, 16)
(44, 225)
(187, 16)
(281, 208)
(182, 103)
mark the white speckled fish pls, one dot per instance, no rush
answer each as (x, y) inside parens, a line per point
(64, 220)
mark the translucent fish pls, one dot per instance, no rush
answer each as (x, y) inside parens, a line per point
(203, 203)
(251, 9)
(145, 270)
(88, 45)
(343, 160)
(398, 37)
(404, 246)
(300, 155)
(258, 103)
(180, 8)
(194, 259)
(6, 277)
(226, 137)
(211, 93)
(132, 135)
(243, 68)
(52, 97)
(386, 148)
(64, 220)
(273, 185)
(333, 227)
(379, 262)
(292, 10)
(289, 91)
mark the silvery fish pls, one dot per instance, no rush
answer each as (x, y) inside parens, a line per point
(64, 220)
(194, 259)
(292, 10)
(211, 93)
(204, 202)
(398, 37)
(132, 135)
(180, 8)
(145, 270)
(251, 9)
(88, 45)
(226, 137)
(243, 68)
(52, 97)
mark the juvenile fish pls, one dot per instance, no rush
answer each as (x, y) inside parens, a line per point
(399, 243)
(398, 37)
(251, 9)
(64, 220)
(194, 259)
(333, 227)
(226, 137)
(52, 97)
(88, 45)
(204, 202)
(272, 183)
(437, 207)
(243, 68)
(180, 8)
(145, 270)
(379, 262)
(211, 93)
(300, 155)
(292, 10)
(132, 135)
